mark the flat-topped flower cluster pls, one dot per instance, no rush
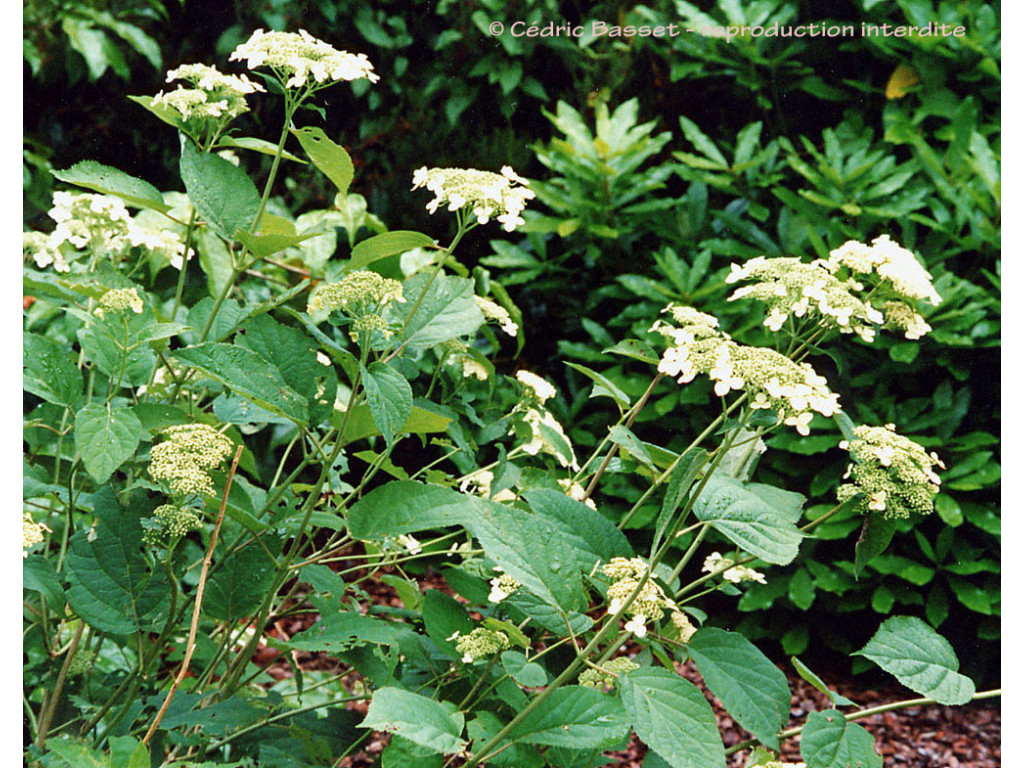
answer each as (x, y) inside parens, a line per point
(773, 381)
(184, 459)
(212, 95)
(502, 196)
(856, 289)
(297, 57)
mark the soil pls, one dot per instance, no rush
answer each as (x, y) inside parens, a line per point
(930, 736)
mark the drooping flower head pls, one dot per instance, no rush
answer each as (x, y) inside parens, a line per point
(296, 57)
(895, 474)
(502, 196)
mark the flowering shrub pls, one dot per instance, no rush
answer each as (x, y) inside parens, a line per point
(204, 464)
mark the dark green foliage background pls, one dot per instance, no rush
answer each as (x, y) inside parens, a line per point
(787, 146)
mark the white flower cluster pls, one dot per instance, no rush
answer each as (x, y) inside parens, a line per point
(773, 381)
(297, 56)
(183, 460)
(31, 533)
(649, 604)
(173, 523)
(733, 573)
(100, 223)
(547, 435)
(479, 643)
(361, 295)
(484, 192)
(501, 587)
(212, 95)
(604, 677)
(118, 301)
(856, 289)
(495, 313)
(895, 475)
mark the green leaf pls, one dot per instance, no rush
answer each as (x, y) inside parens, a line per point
(603, 387)
(747, 520)
(332, 159)
(631, 444)
(750, 687)
(389, 397)
(447, 311)
(341, 631)
(544, 550)
(275, 235)
(421, 720)
(387, 244)
(248, 374)
(220, 191)
(574, 716)
(76, 754)
(110, 181)
(485, 726)
(239, 583)
(805, 672)
(827, 740)
(875, 535)
(361, 424)
(522, 670)
(110, 586)
(671, 716)
(256, 145)
(920, 658)
(402, 753)
(683, 477)
(49, 373)
(167, 114)
(37, 574)
(106, 438)
(443, 615)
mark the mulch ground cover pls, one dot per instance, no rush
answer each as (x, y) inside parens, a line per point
(929, 736)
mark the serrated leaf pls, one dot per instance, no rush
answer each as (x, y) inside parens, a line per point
(421, 720)
(671, 716)
(106, 438)
(389, 397)
(522, 670)
(630, 443)
(221, 192)
(920, 658)
(752, 689)
(747, 520)
(576, 717)
(331, 158)
(257, 145)
(248, 374)
(443, 616)
(875, 535)
(111, 181)
(447, 311)
(110, 585)
(49, 373)
(239, 583)
(827, 740)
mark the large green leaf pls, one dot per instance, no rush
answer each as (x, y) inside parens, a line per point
(49, 373)
(544, 550)
(671, 716)
(239, 583)
(752, 689)
(386, 244)
(426, 722)
(389, 397)
(110, 584)
(220, 191)
(106, 438)
(361, 423)
(750, 522)
(920, 658)
(343, 630)
(248, 374)
(293, 353)
(683, 477)
(827, 740)
(443, 616)
(110, 181)
(577, 717)
(332, 159)
(447, 310)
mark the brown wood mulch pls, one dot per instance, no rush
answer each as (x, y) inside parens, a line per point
(928, 736)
